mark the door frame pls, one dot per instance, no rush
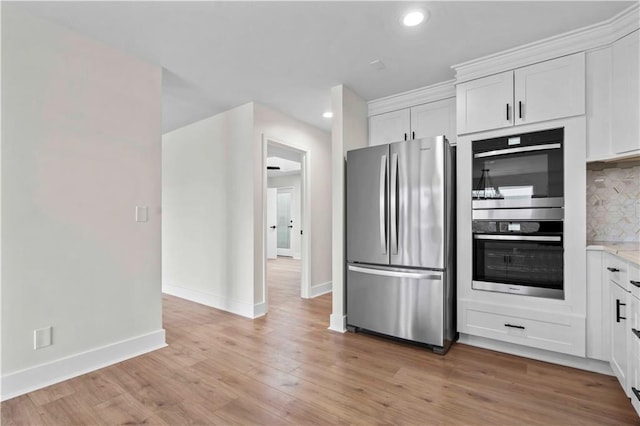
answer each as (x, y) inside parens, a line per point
(305, 220)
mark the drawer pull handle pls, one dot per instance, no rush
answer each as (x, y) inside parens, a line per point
(636, 283)
(613, 269)
(514, 326)
(636, 392)
(618, 304)
(636, 332)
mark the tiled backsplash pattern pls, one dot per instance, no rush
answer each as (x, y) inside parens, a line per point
(613, 202)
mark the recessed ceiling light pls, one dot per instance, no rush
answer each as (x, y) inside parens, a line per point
(327, 114)
(412, 19)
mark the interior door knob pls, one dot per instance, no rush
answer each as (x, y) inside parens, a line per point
(272, 227)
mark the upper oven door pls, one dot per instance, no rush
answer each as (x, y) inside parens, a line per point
(519, 172)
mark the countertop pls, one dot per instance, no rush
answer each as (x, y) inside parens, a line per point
(627, 251)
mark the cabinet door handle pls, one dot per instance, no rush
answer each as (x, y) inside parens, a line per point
(636, 332)
(520, 109)
(636, 392)
(610, 269)
(413, 135)
(636, 283)
(618, 304)
(507, 112)
(405, 136)
(514, 326)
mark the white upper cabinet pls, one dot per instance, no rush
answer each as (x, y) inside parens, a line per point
(485, 103)
(390, 127)
(434, 119)
(549, 90)
(421, 121)
(625, 121)
(538, 92)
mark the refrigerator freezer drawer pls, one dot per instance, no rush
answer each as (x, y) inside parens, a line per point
(397, 302)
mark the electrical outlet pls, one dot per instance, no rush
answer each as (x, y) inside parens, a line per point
(42, 338)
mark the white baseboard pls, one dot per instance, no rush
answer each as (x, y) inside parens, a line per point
(259, 309)
(212, 300)
(43, 375)
(588, 364)
(338, 323)
(320, 289)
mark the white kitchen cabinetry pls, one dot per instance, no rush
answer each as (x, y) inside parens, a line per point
(434, 119)
(392, 126)
(485, 103)
(625, 121)
(430, 119)
(539, 92)
(613, 95)
(619, 330)
(634, 352)
(598, 312)
(553, 331)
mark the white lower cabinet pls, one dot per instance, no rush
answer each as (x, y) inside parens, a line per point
(634, 352)
(619, 331)
(552, 331)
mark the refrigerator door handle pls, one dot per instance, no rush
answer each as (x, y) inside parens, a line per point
(393, 205)
(396, 274)
(383, 204)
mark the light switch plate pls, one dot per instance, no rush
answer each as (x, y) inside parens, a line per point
(142, 213)
(42, 337)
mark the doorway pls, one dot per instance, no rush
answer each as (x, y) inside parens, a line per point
(286, 216)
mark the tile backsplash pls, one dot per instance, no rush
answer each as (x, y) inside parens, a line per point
(613, 201)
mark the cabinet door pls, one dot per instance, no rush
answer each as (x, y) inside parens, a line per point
(485, 103)
(625, 136)
(634, 353)
(390, 127)
(434, 119)
(550, 90)
(619, 330)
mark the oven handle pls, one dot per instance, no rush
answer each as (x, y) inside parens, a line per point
(517, 150)
(515, 237)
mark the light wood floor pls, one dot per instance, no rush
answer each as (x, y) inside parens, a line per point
(286, 368)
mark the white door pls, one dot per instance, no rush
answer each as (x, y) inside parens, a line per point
(285, 221)
(625, 133)
(389, 127)
(485, 103)
(434, 119)
(272, 230)
(549, 90)
(619, 326)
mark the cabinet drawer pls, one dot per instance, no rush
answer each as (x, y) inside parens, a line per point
(616, 270)
(561, 337)
(634, 279)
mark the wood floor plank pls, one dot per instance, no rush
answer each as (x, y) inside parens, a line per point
(286, 368)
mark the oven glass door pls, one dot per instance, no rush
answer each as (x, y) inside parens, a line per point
(524, 170)
(532, 264)
(519, 175)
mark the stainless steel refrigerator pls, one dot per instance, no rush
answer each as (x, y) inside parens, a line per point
(401, 241)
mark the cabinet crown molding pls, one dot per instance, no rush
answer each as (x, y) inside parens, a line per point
(586, 38)
(422, 95)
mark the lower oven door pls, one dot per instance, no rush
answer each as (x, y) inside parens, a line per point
(528, 265)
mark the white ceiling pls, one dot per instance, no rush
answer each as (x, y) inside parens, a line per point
(287, 55)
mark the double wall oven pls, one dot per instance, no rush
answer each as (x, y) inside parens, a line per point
(518, 213)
